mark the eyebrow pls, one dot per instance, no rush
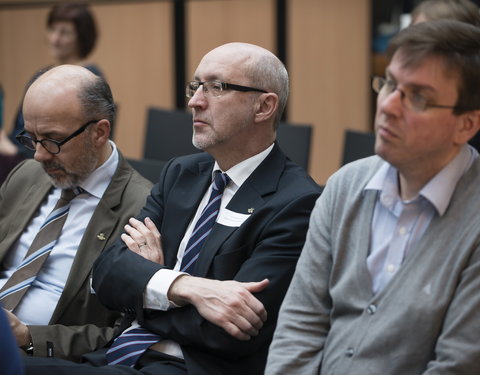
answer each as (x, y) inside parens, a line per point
(412, 86)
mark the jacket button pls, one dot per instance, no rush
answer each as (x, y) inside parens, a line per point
(349, 352)
(372, 309)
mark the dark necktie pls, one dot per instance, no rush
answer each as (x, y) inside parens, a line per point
(129, 346)
(43, 243)
(204, 225)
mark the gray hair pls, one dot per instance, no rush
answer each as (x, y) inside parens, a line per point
(96, 99)
(267, 72)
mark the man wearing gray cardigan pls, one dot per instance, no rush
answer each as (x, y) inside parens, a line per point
(389, 278)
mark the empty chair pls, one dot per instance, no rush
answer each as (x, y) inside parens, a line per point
(148, 168)
(357, 145)
(169, 134)
(295, 141)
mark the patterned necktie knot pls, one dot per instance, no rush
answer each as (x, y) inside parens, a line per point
(220, 181)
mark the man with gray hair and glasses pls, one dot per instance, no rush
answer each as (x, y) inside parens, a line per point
(389, 278)
(60, 211)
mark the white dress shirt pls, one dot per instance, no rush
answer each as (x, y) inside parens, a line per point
(39, 302)
(398, 225)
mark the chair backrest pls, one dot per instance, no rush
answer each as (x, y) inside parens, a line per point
(295, 141)
(357, 145)
(169, 134)
(148, 168)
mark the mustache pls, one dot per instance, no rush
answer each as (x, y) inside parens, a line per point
(52, 165)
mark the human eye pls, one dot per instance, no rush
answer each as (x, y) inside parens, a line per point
(216, 87)
(390, 84)
(418, 100)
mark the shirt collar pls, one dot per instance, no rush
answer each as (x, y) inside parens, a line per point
(240, 172)
(97, 182)
(438, 191)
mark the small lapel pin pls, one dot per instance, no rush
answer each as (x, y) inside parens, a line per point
(250, 210)
(101, 237)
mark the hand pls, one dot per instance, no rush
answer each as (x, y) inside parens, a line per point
(227, 304)
(144, 239)
(19, 330)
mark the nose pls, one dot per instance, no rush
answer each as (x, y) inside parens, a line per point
(198, 99)
(41, 154)
(390, 102)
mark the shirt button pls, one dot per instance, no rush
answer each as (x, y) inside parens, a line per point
(402, 231)
(391, 268)
(372, 309)
(349, 352)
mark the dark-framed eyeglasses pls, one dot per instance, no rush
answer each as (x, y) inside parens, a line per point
(51, 145)
(411, 99)
(216, 88)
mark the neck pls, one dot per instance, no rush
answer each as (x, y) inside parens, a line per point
(105, 153)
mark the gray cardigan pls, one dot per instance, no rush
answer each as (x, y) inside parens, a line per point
(425, 321)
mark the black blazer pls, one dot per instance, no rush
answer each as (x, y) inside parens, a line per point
(266, 245)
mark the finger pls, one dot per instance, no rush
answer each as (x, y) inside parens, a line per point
(256, 287)
(134, 233)
(152, 227)
(234, 331)
(130, 242)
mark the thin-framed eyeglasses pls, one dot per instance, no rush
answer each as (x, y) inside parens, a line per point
(216, 88)
(411, 99)
(51, 145)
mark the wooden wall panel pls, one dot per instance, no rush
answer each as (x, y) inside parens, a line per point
(134, 51)
(211, 23)
(23, 51)
(328, 60)
(329, 57)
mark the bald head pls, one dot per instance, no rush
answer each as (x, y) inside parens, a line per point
(71, 85)
(260, 66)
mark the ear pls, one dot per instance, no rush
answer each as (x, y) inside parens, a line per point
(267, 105)
(469, 126)
(101, 132)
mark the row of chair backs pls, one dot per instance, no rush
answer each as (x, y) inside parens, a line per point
(357, 145)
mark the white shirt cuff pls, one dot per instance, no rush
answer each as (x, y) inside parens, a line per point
(156, 292)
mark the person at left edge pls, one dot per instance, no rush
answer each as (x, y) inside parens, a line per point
(73, 107)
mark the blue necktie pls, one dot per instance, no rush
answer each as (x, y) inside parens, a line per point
(204, 225)
(130, 345)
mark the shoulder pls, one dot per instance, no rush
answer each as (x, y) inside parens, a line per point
(26, 172)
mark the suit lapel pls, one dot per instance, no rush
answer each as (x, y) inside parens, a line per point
(263, 181)
(97, 236)
(36, 194)
(185, 196)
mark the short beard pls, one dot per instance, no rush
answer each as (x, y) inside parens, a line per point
(72, 178)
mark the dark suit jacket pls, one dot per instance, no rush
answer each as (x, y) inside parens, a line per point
(80, 323)
(266, 245)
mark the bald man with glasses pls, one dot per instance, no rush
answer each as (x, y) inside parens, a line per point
(202, 270)
(48, 243)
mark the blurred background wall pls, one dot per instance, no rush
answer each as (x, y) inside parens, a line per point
(148, 49)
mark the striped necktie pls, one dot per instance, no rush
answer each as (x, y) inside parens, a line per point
(39, 250)
(204, 225)
(130, 345)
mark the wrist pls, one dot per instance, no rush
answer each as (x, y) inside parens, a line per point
(178, 292)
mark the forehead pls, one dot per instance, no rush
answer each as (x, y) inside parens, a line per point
(223, 64)
(430, 70)
(44, 111)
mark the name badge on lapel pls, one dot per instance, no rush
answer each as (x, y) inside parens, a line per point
(231, 219)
